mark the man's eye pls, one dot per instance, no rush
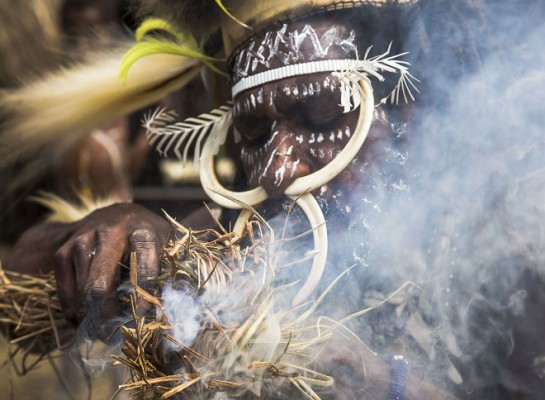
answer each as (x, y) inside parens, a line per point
(254, 129)
(323, 111)
(324, 119)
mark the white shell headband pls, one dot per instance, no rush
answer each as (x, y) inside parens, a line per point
(333, 50)
(347, 70)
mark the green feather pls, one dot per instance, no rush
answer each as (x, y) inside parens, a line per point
(220, 4)
(147, 44)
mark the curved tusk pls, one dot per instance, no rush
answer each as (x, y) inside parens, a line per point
(312, 210)
(209, 181)
(319, 178)
(219, 194)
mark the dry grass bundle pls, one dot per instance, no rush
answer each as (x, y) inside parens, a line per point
(220, 328)
(31, 313)
(242, 346)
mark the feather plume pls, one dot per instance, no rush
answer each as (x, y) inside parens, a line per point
(375, 67)
(40, 120)
(65, 211)
(178, 43)
(23, 54)
(167, 135)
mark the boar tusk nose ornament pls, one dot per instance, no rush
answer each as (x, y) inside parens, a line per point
(298, 190)
(354, 76)
(311, 209)
(308, 183)
(313, 212)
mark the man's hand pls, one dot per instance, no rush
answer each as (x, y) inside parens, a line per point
(88, 256)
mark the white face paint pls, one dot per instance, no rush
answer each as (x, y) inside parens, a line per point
(260, 96)
(280, 172)
(271, 158)
(286, 46)
(294, 168)
(272, 95)
(275, 133)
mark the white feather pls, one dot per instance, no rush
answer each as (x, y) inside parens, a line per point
(180, 136)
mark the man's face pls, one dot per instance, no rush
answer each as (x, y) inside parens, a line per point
(295, 126)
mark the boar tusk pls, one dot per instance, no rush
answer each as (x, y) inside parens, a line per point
(209, 180)
(312, 210)
(319, 178)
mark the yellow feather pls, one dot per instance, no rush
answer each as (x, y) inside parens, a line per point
(43, 118)
(224, 9)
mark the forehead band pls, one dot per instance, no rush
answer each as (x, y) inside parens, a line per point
(289, 71)
(348, 71)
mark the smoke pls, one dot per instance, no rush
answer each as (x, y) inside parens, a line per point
(453, 201)
(184, 313)
(450, 200)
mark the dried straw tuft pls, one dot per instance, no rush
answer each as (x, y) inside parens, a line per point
(245, 345)
(31, 313)
(244, 348)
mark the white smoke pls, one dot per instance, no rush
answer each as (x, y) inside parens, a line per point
(456, 204)
(184, 313)
(453, 200)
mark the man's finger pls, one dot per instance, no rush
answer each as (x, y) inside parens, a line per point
(145, 244)
(66, 282)
(83, 252)
(104, 278)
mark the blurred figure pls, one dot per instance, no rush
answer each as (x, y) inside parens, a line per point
(98, 166)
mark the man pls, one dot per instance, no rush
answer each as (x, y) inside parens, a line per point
(283, 138)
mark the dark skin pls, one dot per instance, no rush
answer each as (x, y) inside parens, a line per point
(292, 116)
(295, 119)
(88, 255)
(101, 163)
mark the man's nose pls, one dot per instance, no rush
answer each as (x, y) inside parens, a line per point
(284, 159)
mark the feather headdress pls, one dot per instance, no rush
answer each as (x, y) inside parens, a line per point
(43, 118)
